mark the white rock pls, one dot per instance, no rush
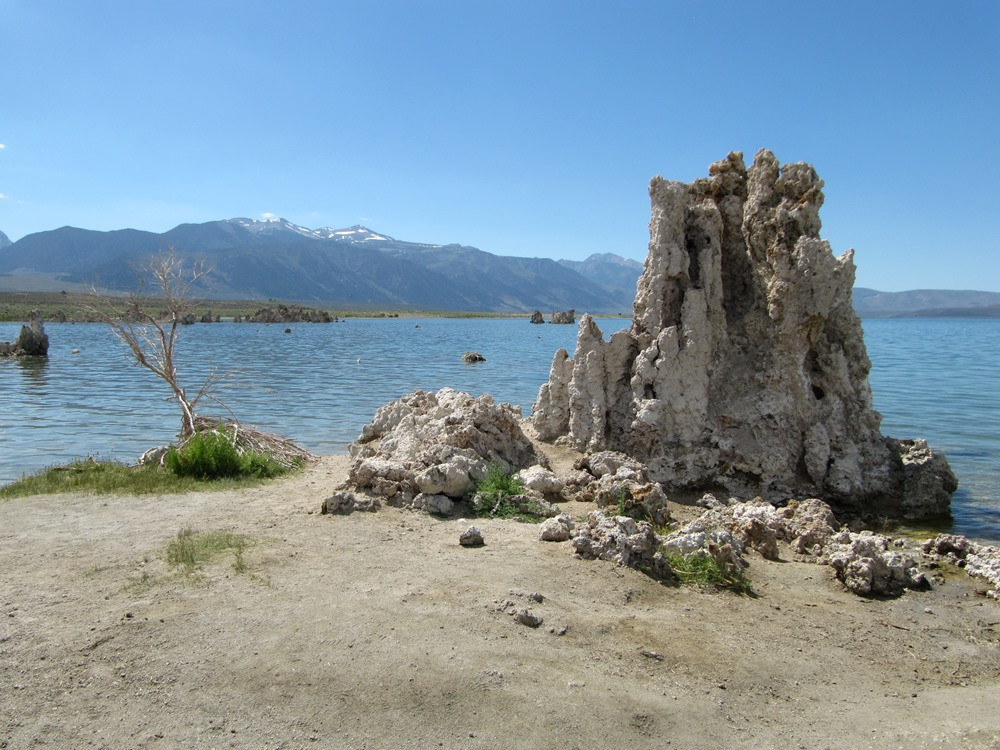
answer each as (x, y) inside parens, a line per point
(556, 529)
(540, 479)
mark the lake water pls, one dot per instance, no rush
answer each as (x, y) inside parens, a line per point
(321, 383)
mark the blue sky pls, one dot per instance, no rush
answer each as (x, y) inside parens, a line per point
(523, 128)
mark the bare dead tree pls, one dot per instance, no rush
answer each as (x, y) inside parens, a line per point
(151, 339)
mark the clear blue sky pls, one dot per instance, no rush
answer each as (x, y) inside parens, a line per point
(523, 128)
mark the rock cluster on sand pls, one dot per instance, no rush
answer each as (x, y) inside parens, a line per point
(437, 444)
(31, 342)
(867, 564)
(745, 365)
(982, 560)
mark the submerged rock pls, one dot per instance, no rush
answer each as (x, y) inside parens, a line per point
(32, 341)
(471, 358)
(745, 365)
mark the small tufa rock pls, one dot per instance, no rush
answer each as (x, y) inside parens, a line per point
(471, 358)
(437, 505)
(976, 559)
(339, 503)
(31, 342)
(437, 444)
(540, 479)
(529, 618)
(865, 564)
(536, 317)
(621, 540)
(557, 529)
(471, 537)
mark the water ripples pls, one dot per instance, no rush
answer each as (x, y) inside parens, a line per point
(932, 378)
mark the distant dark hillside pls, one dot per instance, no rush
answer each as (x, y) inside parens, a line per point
(4, 240)
(616, 274)
(874, 304)
(70, 250)
(985, 311)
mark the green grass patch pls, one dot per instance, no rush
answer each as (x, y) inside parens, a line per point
(191, 550)
(701, 569)
(113, 478)
(497, 484)
(495, 496)
(213, 455)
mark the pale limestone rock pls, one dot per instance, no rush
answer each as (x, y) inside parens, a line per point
(867, 565)
(557, 529)
(976, 559)
(745, 365)
(438, 505)
(621, 540)
(542, 480)
(437, 444)
(471, 537)
(809, 524)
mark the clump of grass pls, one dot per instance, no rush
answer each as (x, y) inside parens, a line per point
(114, 478)
(704, 570)
(190, 550)
(212, 454)
(500, 494)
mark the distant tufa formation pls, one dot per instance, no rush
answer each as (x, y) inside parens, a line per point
(31, 342)
(745, 367)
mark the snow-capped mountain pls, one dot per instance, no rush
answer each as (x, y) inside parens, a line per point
(354, 266)
(276, 227)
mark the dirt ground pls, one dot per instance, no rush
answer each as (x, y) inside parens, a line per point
(381, 631)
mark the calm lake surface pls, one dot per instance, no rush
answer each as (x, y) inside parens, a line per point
(319, 384)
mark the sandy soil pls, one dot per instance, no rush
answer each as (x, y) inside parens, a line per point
(380, 631)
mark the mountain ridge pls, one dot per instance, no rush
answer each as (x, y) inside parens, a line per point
(356, 265)
(275, 258)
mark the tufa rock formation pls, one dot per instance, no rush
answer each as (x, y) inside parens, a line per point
(563, 317)
(745, 366)
(31, 342)
(536, 317)
(426, 445)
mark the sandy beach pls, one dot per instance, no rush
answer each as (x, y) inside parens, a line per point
(381, 631)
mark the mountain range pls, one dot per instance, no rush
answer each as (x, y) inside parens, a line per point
(352, 267)
(360, 268)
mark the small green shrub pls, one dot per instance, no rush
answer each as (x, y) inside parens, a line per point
(497, 484)
(494, 493)
(702, 569)
(212, 455)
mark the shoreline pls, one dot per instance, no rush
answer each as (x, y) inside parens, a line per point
(353, 620)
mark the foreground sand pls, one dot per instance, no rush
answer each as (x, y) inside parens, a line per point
(380, 631)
